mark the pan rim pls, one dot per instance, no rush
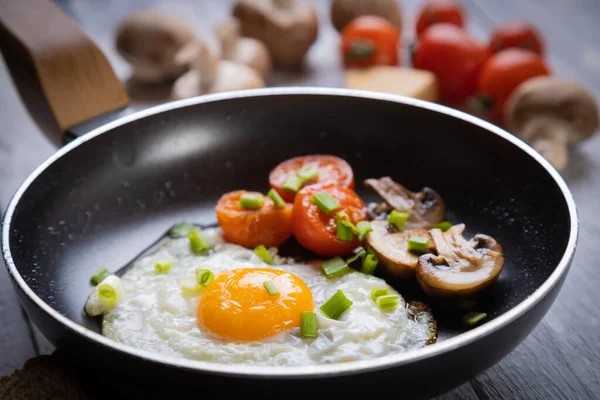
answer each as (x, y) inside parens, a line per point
(312, 371)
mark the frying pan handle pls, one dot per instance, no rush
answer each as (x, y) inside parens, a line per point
(62, 76)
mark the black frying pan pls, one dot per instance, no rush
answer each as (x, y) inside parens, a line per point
(103, 198)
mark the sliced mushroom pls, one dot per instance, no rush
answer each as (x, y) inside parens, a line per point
(391, 247)
(460, 268)
(425, 208)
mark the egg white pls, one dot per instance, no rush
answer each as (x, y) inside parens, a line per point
(154, 315)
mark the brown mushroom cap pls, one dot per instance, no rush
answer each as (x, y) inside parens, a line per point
(462, 267)
(344, 11)
(149, 41)
(425, 208)
(391, 247)
(556, 100)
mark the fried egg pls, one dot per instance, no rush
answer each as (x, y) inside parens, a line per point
(235, 320)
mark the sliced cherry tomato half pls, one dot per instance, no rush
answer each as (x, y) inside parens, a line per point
(516, 34)
(317, 231)
(267, 225)
(331, 169)
(436, 11)
(370, 40)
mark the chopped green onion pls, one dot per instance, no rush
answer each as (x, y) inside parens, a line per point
(252, 201)
(471, 318)
(418, 244)
(398, 219)
(198, 243)
(99, 276)
(466, 304)
(334, 267)
(443, 226)
(307, 174)
(369, 262)
(308, 324)
(337, 305)
(325, 202)
(262, 253)
(277, 200)
(271, 288)
(292, 184)
(345, 227)
(387, 301)
(189, 286)
(204, 277)
(182, 229)
(363, 227)
(162, 267)
(355, 257)
(110, 291)
(375, 293)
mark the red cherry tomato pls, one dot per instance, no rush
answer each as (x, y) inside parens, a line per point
(503, 73)
(317, 231)
(436, 11)
(331, 169)
(454, 57)
(516, 34)
(370, 40)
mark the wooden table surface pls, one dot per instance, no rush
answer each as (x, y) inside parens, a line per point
(560, 359)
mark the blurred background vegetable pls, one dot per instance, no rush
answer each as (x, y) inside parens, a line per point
(370, 40)
(344, 11)
(501, 75)
(551, 114)
(516, 34)
(440, 11)
(287, 27)
(454, 57)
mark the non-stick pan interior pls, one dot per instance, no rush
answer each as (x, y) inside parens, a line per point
(108, 199)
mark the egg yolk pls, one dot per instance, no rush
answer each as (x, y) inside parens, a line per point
(238, 306)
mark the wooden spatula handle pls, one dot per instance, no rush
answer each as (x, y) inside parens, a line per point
(62, 76)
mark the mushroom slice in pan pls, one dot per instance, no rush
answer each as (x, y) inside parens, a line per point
(461, 267)
(391, 247)
(425, 208)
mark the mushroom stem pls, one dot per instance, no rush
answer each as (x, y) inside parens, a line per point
(549, 137)
(228, 33)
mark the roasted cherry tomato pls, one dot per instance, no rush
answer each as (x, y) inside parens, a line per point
(370, 40)
(501, 75)
(267, 225)
(516, 34)
(330, 169)
(455, 59)
(436, 11)
(317, 231)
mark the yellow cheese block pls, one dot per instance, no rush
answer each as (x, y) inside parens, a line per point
(409, 82)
